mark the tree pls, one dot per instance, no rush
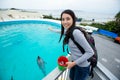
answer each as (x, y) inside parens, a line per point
(117, 16)
(117, 21)
(113, 26)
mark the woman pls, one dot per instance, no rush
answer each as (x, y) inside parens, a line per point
(79, 66)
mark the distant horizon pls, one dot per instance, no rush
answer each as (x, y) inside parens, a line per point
(59, 10)
(100, 17)
(95, 6)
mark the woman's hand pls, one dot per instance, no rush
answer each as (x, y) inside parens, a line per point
(70, 64)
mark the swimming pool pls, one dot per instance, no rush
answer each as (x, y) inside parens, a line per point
(20, 44)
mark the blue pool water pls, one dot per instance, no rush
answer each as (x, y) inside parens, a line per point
(20, 44)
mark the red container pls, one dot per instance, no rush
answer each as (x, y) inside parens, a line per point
(62, 61)
(117, 39)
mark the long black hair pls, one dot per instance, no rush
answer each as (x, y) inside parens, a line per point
(71, 13)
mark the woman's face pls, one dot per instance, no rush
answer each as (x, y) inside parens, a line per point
(66, 21)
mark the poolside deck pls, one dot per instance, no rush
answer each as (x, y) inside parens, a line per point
(6, 15)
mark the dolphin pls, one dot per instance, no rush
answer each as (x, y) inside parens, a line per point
(41, 64)
(11, 78)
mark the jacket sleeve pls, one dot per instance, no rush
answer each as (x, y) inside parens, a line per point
(81, 40)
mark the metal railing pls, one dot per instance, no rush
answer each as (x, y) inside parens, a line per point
(100, 73)
(63, 76)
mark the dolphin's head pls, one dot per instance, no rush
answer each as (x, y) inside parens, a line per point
(39, 57)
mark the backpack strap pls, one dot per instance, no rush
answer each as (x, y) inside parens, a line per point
(71, 36)
(91, 72)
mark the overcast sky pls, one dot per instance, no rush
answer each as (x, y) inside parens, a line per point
(101, 6)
